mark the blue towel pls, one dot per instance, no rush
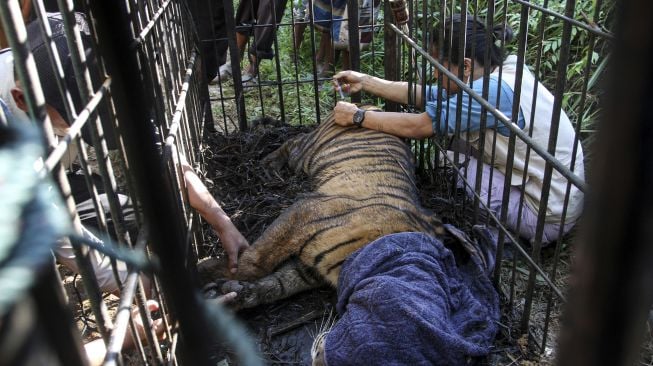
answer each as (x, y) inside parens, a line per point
(404, 301)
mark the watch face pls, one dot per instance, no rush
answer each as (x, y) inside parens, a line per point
(358, 117)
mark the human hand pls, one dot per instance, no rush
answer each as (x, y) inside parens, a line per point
(348, 81)
(234, 243)
(343, 113)
(96, 349)
(157, 324)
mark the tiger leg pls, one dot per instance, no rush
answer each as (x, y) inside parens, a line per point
(291, 278)
(282, 156)
(277, 243)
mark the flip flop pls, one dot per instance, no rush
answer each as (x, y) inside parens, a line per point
(249, 79)
(224, 73)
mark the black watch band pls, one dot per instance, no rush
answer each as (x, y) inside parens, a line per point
(359, 117)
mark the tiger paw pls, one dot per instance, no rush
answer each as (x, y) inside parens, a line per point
(246, 294)
(274, 162)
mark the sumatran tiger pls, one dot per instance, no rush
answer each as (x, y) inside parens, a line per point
(363, 187)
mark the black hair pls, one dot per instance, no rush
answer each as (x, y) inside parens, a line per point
(48, 78)
(476, 40)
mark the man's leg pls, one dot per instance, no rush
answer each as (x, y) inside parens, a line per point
(520, 218)
(269, 13)
(100, 262)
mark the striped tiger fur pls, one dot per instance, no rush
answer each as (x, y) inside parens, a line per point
(363, 187)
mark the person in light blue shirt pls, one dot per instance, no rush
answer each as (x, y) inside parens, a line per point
(471, 118)
(492, 145)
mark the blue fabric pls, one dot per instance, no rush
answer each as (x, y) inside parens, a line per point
(5, 109)
(446, 121)
(404, 301)
(324, 11)
(329, 15)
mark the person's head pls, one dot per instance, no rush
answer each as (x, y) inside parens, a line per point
(55, 101)
(473, 60)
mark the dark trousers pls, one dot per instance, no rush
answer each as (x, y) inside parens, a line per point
(212, 32)
(260, 12)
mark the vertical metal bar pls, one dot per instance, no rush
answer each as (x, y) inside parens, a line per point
(411, 84)
(277, 63)
(132, 106)
(612, 280)
(460, 51)
(354, 42)
(213, 11)
(542, 27)
(296, 51)
(390, 45)
(522, 40)
(234, 52)
(501, 243)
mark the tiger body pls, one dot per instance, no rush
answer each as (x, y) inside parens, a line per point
(363, 187)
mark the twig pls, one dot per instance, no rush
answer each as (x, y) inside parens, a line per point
(276, 330)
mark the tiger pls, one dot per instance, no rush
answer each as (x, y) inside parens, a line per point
(363, 187)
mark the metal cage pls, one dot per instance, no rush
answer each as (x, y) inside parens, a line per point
(137, 76)
(155, 59)
(399, 49)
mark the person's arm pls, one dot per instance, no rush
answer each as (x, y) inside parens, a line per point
(96, 350)
(411, 125)
(201, 199)
(445, 122)
(395, 91)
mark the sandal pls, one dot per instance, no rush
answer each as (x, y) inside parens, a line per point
(224, 73)
(248, 79)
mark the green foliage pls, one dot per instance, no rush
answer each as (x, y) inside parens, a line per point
(588, 52)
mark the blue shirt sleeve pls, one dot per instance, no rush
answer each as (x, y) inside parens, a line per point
(446, 121)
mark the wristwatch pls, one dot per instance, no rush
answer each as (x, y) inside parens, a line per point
(359, 117)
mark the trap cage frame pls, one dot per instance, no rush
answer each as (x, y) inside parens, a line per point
(151, 70)
(400, 50)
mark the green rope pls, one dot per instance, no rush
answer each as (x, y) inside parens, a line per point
(29, 222)
(32, 220)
